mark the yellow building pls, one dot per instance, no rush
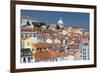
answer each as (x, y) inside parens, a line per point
(29, 42)
(75, 30)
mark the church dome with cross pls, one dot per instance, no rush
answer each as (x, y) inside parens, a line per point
(60, 23)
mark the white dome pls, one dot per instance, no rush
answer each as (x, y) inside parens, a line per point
(60, 21)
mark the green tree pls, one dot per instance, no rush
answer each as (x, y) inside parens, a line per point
(36, 24)
(57, 27)
(28, 23)
(42, 23)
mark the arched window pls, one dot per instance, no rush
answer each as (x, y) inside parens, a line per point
(24, 60)
(29, 59)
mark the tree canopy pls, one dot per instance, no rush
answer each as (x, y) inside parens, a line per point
(38, 24)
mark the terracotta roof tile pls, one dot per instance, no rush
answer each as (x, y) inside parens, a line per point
(44, 55)
(41, 45)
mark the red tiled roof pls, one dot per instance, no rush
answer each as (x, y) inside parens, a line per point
(41, 45)
(46, 45)
(55, 45)
(24, 29)
(54, 35)
(73, 46)
(44, 55)
(64, 54)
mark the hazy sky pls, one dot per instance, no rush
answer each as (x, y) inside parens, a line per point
(51, 17)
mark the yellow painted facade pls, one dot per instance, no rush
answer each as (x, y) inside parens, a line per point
(75, 30)
(30, 43)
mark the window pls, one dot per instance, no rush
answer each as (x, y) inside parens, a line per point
(29, 53)
(34, 34)
(88, 52)
(84, 54)
(81, 56)
(26, 53)
(28, 59)
(88, 58)
(22, 54)
(40, 49)
(84, 58)
(84, 50)
(32, 49)
(26, 35)
(44, 48)
(28, 44)
(24, 60)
